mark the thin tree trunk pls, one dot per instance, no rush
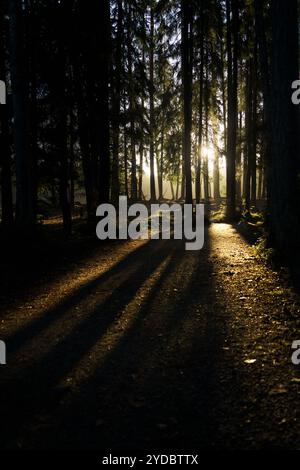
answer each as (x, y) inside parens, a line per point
(232, 39)
(264, 62)
(152, 117)
(249, 134)
(239, 163)
(116, 99)
(25, 213)
(200, 126)
(126, 163)
(5, 154)
(254, 133)
(187, 69)
(104, 141)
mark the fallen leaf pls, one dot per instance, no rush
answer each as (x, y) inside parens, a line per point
(280, 389)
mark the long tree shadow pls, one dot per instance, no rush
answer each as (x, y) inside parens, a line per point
(46, 258)
(162, 387)
(48, 370)
(27, 332)
(172, 359)
(157, 387)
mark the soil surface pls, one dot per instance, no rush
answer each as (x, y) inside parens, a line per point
(143, 345)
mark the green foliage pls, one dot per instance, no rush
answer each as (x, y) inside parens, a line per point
(263, 251)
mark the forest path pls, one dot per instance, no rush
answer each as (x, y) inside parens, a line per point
(153, 347)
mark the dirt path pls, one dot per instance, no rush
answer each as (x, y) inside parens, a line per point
(152, 347)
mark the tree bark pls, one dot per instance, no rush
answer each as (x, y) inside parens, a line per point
(187, 75)
(284, 201)
(25, 213)
(116, 101)
(151, 96)
(232, 39)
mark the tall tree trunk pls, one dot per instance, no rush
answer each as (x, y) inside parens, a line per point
(116, 101)
(142, 123)
(5, 155)
(161, 163)
(141, 171)
(249, 134)
(239, 163)
(254, 132)
(63, 93)
(206, 114)
(284, 202)
(125, 161)
(64, 181)
(200, 107)
(200, 125)
(216, 173)
(232, 39)
(187, 75)
(264, 62)
(86, 157)
(260, 181)
(132, 107)
(6, 174)
(104, 141)
(151, 95)
(25, 213)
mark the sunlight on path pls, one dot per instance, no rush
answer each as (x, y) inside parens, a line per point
(96, 356)
(53, 294)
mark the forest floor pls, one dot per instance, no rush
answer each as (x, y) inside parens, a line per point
(143, 345)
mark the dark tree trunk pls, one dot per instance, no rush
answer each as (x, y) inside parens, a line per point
(187, 76)
(249, 134)
(200, 126)
(284, 201)
(104, 141)
(86, 157)
(25, 212)
(254, 132)
(206, 114)
(239, 163)
(172, 190)
(132, 107)
(6, 174)
(116, 100)
(125, 162)
(64, 182)
(5, 154)
(260, 181)
(152, 117)
(161, 165)
(62, 93)
(264, 63)
(142, 124)
(232, 40)
(216, 176)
